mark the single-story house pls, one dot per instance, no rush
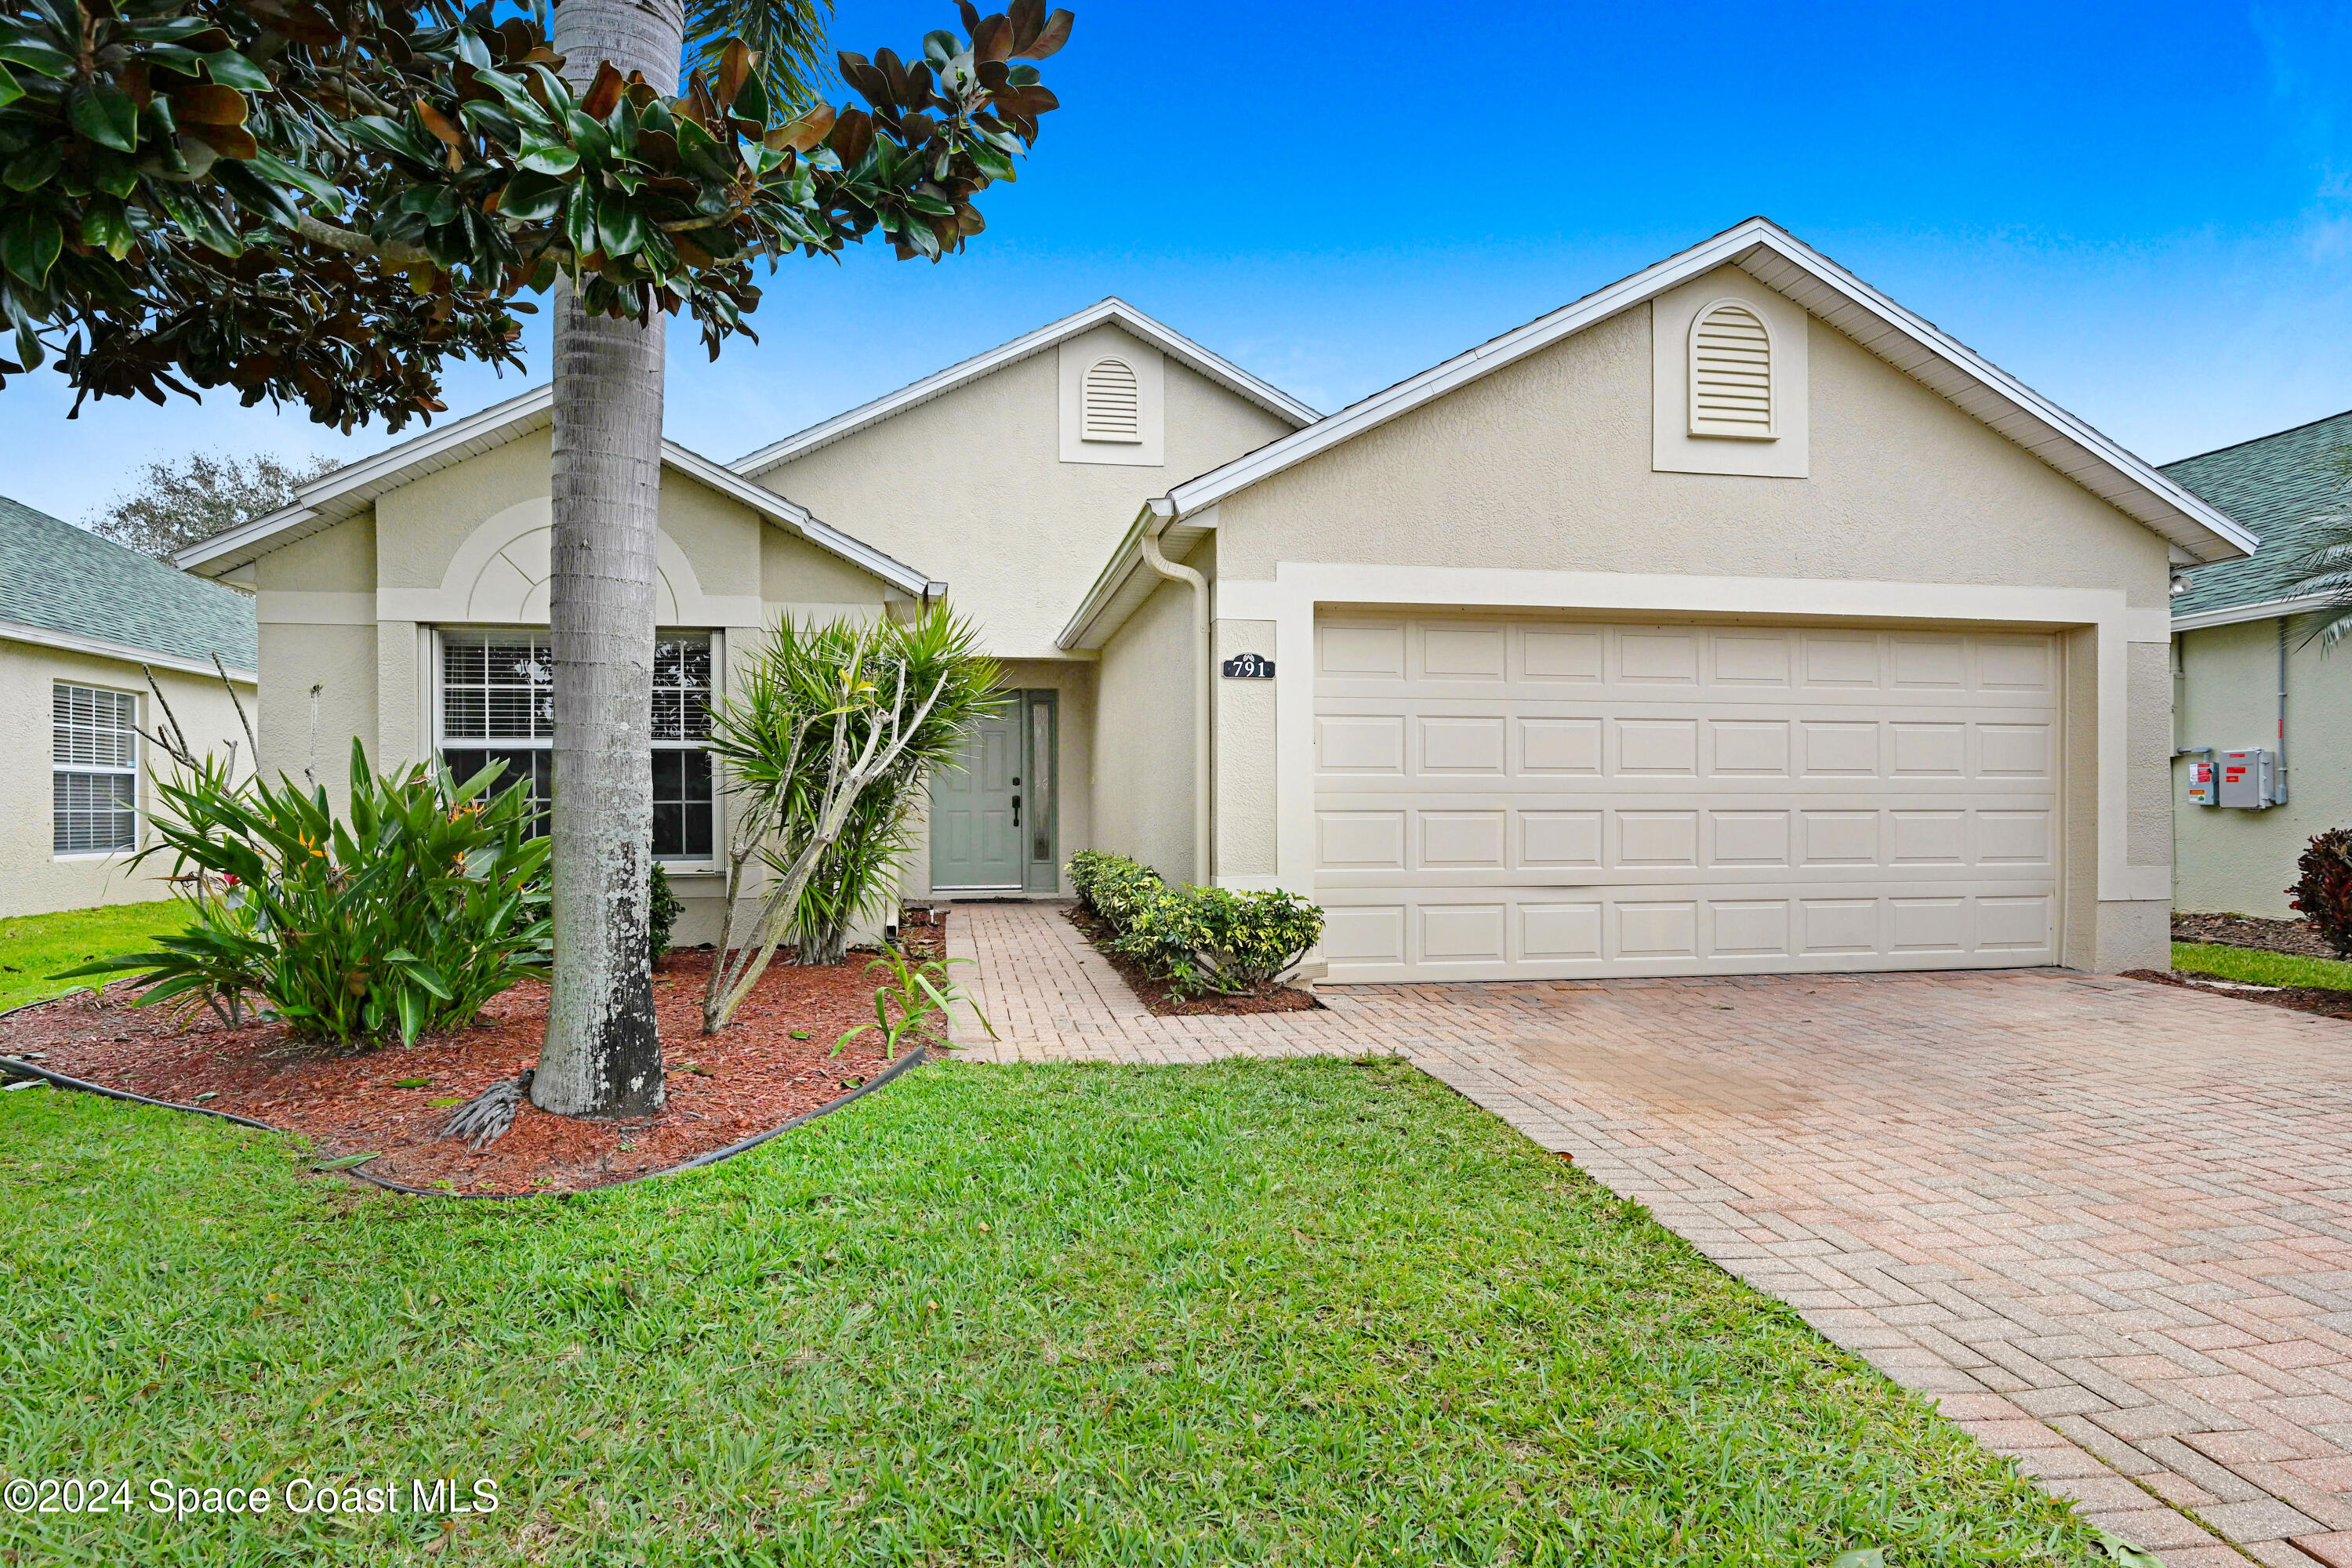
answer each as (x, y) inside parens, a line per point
(1730, 619)
(2247, 678)
(82, 620)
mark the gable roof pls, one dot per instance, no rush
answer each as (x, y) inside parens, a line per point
(2287, 486)
(938, 383)
(65, 587)
(353, 488)
(1785, 264)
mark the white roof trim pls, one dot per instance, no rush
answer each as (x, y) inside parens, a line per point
(1789, 267)
(2266, 610)
(938, 383)
(798, 518)
(102, 647)
(353, 488)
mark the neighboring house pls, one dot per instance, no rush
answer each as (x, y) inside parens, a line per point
(2246, 677)
(80, 617)
(1730, 619)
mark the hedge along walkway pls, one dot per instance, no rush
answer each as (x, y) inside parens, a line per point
(2108, 1223)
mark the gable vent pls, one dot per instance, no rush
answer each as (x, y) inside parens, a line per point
(1731, 374)
(1114, 406)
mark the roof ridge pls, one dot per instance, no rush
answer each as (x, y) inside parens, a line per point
(2256, 440)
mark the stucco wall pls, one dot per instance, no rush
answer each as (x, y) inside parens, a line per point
(1242, 825)
(2242, 861)
(1547, 464)
(970, 488)
(1143, 733)
(34, 880)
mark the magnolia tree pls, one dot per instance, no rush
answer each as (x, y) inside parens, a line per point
(323, 200)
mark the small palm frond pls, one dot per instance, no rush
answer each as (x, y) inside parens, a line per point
(788, 35)
(2324, 572)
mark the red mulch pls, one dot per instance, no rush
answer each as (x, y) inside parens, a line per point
(2316, 999)
(2271, 936)
(750, 1077)
(1156, 995)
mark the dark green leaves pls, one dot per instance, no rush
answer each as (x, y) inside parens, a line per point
(548, 158)
(105, 114)
(29, 244)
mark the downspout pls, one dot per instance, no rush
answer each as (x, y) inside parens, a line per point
(1164, 514)
(2278, 789)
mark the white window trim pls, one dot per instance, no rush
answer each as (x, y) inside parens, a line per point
(442, 742)
(135, 773)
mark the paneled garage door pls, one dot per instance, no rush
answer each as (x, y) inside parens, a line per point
(1517, 798)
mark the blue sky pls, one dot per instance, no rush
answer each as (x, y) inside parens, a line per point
(2144, 211)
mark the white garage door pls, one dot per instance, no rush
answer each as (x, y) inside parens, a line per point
(1517, 798)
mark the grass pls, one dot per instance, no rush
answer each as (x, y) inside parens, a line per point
(35, 947)
(1316, 1312)
(2256, 967)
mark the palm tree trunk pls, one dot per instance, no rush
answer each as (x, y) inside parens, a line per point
(603, 1056)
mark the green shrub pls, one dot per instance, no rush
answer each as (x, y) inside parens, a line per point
(411, 915)
(662, 910)
(1199, 939)
(1112, 886)
(2323, 893)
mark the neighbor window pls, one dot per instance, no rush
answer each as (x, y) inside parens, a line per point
(95, 770)
(498, 705)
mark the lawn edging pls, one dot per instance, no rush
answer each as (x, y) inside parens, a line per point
(15, 1067)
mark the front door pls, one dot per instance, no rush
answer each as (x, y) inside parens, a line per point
(976, 818)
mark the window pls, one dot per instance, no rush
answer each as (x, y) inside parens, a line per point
(1731, 374)
(1113, 403)
(498, 705)
(95, 770)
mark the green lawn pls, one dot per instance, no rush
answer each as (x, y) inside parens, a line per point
(2257, 967)
(33, 947)
(1304, 1313)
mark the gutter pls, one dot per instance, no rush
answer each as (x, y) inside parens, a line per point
(1163, 514)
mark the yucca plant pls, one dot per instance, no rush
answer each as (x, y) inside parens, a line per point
(830, 721)
(405, 918)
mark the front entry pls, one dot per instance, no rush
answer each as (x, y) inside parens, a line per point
(992, 819)
(975, 807)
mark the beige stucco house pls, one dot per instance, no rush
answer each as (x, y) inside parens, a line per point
(84, 625)
(1730, 619)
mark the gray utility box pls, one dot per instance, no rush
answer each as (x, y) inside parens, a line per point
(2249, 778)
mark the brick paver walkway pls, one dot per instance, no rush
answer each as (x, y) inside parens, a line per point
(2108, 1225)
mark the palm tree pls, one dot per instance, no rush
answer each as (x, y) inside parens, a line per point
(2326, 572)
(601, 1055)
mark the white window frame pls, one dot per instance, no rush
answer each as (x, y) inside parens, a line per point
(443, 742)
(58, 765)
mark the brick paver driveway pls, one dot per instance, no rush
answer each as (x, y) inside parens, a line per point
(2107, 1223)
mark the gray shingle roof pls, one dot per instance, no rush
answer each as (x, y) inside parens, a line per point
(66, 579)
(2280, 486)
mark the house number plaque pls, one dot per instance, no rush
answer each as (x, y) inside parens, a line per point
(1248, 666)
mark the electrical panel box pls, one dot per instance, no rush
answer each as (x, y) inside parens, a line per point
(2202, 781)
(2247, 778)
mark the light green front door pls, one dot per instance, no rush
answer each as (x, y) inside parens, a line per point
(976, 819)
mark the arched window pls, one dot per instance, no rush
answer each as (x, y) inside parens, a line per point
(1731, 374)
(1113, 403)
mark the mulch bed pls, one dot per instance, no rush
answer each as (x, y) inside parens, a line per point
(2316, 999)
(2293, 936)
(1156, 995)
(750, 1077)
